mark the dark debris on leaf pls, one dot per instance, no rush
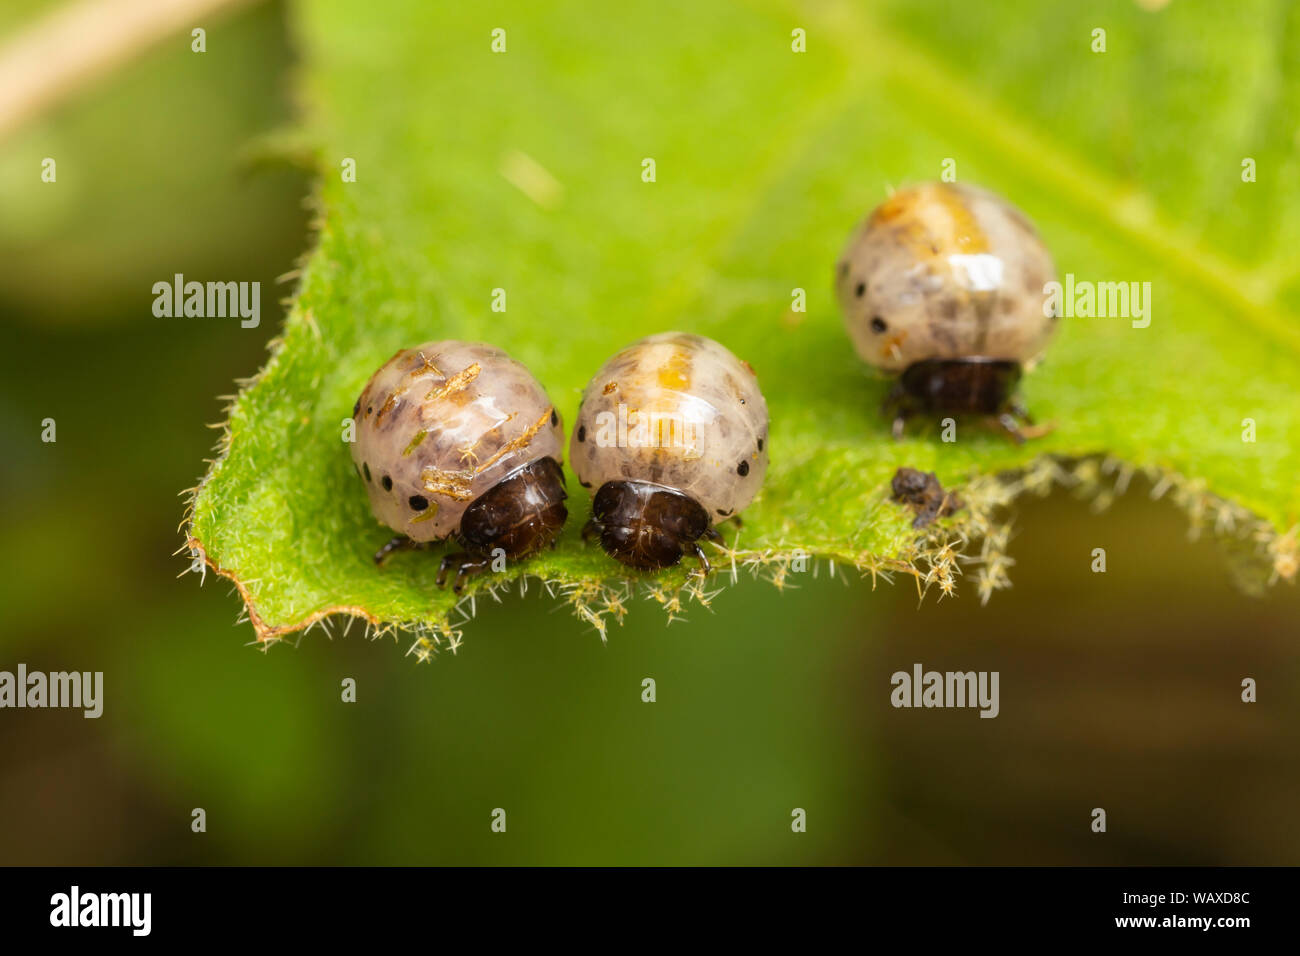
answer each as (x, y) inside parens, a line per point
(921, 491)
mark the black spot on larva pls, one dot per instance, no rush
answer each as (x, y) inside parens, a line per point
(861, 290)
(369, 409)
(418, 502)
(760, 444)
(367, 470)
(387, 483)
(357, 469)
(742, 469)
(724, 512)
(582, 434)
(356, 407)
(585, 484)
(742, 401)
(844, 268)
(555, 419)
(878, 324)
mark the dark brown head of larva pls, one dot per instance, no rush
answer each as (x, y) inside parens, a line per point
(966, 386)
(516, 518)
(647, 526)
(521, 515)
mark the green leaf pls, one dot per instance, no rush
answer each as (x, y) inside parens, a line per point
(522, 170)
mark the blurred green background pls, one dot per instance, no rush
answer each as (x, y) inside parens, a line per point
(1118, 690)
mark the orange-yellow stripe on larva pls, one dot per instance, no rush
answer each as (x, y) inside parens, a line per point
(933, 220)
(961, 232)
(675, 373)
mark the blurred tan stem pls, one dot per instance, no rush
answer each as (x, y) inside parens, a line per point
(67, 49)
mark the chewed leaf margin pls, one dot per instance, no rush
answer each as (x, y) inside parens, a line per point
(973, 543)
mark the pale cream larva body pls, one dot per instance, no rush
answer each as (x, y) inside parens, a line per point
(945, 271)
(946, 286)
(675, 410)
(439, 425)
